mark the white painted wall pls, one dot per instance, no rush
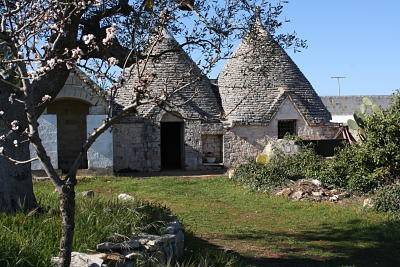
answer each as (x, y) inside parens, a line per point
(48, 134)
(100, 154)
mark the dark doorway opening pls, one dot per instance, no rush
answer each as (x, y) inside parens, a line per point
(71, 131)
(171, 145)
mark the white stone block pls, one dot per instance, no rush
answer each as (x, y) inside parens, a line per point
(48, 134)
(100, 154)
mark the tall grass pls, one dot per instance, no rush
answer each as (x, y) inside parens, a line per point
(32, 239)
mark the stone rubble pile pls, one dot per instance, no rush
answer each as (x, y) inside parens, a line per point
(311, 190)
(153, 249)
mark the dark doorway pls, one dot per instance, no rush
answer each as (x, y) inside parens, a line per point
(171, 145)
(71, 131)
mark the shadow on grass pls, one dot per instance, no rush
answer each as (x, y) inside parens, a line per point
(352, 244)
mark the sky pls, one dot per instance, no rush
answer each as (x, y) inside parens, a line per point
(358, 39)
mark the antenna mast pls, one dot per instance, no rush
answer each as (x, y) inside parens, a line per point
(338, 80)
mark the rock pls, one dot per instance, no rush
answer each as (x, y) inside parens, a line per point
(119, 247)
(281, 146)
(88, 194)
(316, 182)
(284, 192)
(160, 249)
(297, 195)
(125, 197)
(318, 193)
(368, 203)
(231, 173)
(83, 260)
(334, 198)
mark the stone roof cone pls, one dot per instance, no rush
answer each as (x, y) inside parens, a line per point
(260, 76)
(175, 69)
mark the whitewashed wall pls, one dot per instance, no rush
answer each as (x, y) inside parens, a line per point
(100, 154)
(48, 134)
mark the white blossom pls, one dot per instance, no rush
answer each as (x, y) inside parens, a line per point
(88, 38)
(46, 98)
(14, 125)
(112, 61)
(110, 34)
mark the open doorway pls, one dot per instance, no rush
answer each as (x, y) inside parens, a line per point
(71, 131)
(172, 143)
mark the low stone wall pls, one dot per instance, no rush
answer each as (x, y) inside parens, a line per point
(157, 250)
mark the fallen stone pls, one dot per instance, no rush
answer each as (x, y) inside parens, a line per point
(82, 260)
(118, 247)
(296, 195)
(279, 147)
(312, 190)
(368, 203)
(334, 198)
(125, 197)
(316, 182)
(88, 194)
(284, 192)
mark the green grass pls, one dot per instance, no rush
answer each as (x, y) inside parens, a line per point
(31, 240)
(262, 230)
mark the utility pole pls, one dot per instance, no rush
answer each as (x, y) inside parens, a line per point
(338, 80)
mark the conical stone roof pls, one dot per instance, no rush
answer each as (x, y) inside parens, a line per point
(259, 76)
(172, 70)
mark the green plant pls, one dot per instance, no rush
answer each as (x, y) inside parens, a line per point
(32, 239)
(387, 198)
(359, 122)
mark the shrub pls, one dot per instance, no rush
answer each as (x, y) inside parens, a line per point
(279, 170)
(387, 198)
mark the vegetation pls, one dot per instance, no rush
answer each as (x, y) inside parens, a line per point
(387, 198)
(360, 168)
(258, 229)
(32, 239)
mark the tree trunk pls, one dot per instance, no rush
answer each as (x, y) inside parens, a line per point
(16, 190)
(67, 208)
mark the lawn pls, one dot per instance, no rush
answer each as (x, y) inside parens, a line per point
(261, 229)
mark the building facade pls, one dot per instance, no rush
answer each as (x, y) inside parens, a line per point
(260, 95)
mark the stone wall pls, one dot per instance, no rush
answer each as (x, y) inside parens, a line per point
(129, 147)
(212, 146)
(100, 154)
(243, 142)
(48, 134)
(137, 144)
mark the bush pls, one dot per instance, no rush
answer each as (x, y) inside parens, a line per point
(387, 198)
(279, 170)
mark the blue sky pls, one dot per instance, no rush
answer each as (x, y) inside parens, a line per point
(359, 39)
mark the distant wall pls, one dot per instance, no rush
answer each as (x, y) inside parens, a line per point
(48, 134)
(100, 154)
(347, 105)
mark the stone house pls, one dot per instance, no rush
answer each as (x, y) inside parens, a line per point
(260, 94)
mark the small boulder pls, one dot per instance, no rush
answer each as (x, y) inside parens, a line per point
(281, 146)
(125, 197)
(368, 203)
(88, 194)
(82, 260)
(297, 195)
